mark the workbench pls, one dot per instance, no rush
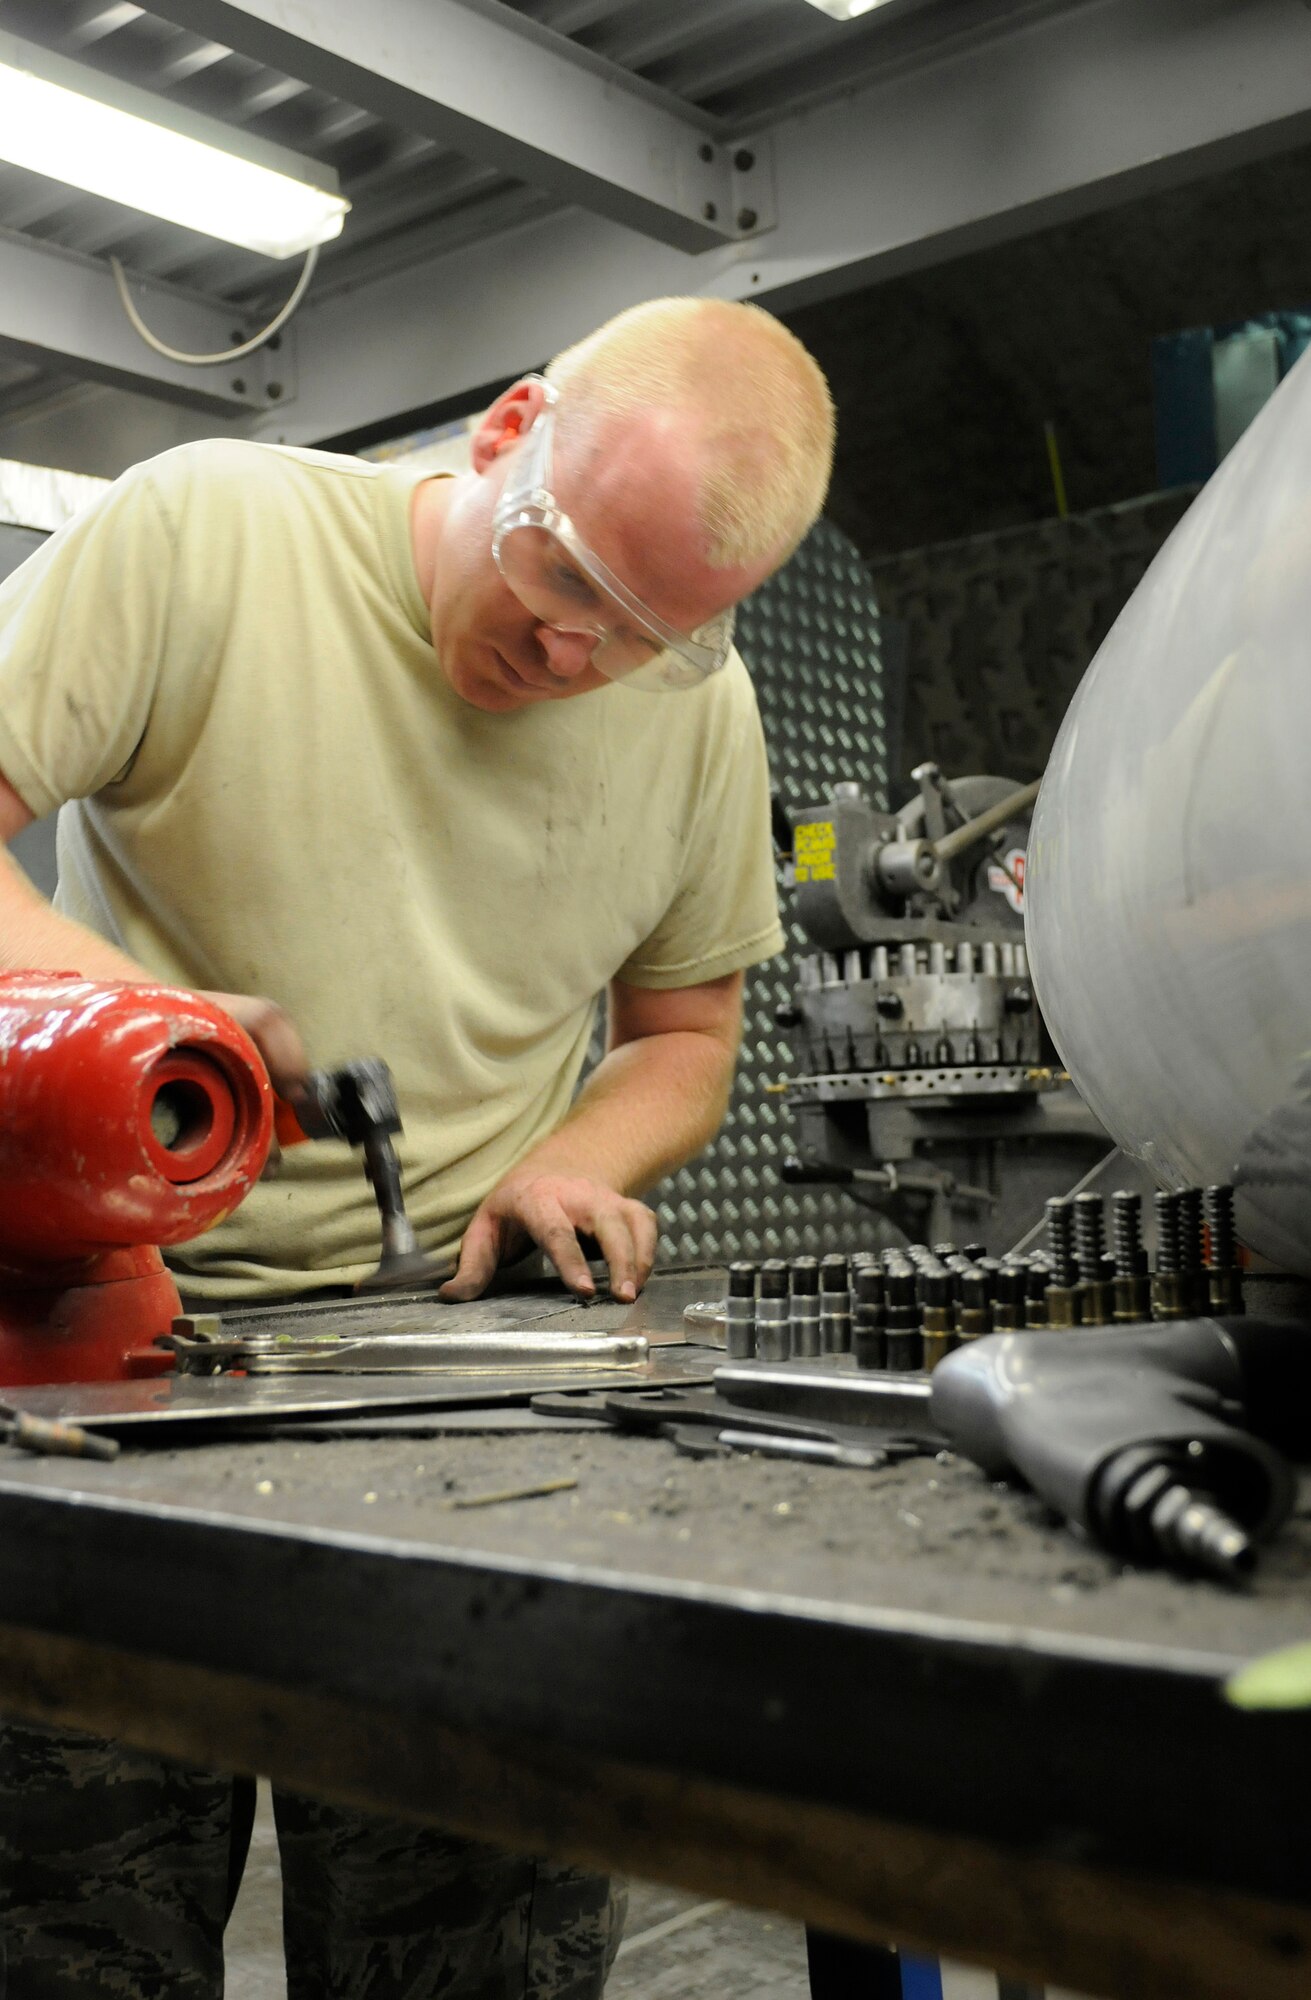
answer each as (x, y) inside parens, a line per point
(902, 1704)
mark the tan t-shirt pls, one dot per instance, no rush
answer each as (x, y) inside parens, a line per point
(226, 665)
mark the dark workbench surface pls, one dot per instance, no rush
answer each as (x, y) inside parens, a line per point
(912, 1647)
(925, 1538)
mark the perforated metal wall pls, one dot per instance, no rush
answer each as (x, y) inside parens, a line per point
(811, 639)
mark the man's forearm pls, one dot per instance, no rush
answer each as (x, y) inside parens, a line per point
(650, 1105)
(35, 937)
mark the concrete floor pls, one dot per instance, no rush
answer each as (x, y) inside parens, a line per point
(676, 1947)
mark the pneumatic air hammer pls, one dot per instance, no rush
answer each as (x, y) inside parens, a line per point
(357, 1103)
(1166, 1443)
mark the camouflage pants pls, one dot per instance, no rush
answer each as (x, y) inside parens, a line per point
(114, 1882)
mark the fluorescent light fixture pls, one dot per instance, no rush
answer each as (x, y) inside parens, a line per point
(846, 10)
(108, 138)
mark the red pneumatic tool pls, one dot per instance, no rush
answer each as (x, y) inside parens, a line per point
(130, 1116)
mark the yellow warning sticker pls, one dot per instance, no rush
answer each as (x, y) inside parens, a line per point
(812, 851)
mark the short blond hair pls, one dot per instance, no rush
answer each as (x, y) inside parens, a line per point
(760, 397)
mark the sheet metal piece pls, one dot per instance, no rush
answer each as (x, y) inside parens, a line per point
(419, 1312)
(201, 1351)
(660, 1312)
(508, 1305)
(442, 1353)
(166, 1409)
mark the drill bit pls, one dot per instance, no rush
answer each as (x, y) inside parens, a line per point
(773, 1335)
(868, 1336)
(975, 1314)
(834, 1305)
(1062, 1297)
(937, 1325)
(1192, 1253)
(1169, 1297)
(1224, 1272)
(804, 1309)
(1037, 1277)
(1133, 1300)
(901, 1316)
(1096, 1298)
(1008, 1298)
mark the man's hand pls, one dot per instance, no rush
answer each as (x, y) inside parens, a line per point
(277, 1038)
(274, 1034)
(550, 1209)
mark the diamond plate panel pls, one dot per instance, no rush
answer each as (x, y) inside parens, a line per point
(811, 639)
(1001, 627)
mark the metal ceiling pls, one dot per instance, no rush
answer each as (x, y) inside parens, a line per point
(396, 182)
(739, 62)
(895, 135)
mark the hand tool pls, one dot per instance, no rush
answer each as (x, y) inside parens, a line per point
(1163, 1442)
(357, 1103)
(47, 1439)
(814, 1451)
(680, 1413)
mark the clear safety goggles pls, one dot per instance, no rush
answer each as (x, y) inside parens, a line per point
(557, 578)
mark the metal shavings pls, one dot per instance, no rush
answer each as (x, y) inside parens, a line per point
(511, 1493)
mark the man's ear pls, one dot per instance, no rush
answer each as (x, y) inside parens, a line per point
(515, 411)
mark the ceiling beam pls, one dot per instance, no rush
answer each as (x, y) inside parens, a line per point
(484, 80)
(1067, 114)
(60, 309)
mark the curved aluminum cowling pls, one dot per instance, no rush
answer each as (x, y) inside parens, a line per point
(1169, 866)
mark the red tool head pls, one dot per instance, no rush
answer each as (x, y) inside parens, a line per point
(129, 1116)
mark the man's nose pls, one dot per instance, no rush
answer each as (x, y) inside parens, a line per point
(568, 654)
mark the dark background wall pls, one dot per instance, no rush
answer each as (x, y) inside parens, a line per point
(998, 629)
(943, 381)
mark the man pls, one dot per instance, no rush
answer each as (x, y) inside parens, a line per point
(430, 762)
